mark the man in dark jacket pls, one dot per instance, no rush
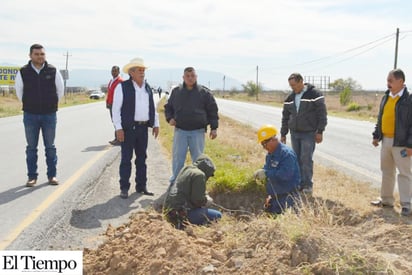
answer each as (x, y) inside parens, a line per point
(190, 109)
(187, 197)
(304, 115)
(39, 85)
(394, 129)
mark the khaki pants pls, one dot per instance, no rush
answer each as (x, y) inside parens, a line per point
(390, 160)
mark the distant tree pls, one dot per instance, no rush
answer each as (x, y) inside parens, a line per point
(340, 84)
(345, 88)
(251, 88)
(103, 88)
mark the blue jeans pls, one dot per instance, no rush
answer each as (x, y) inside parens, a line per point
(33, 123)
(281, 202)
(182, 140)
(303, 143)
(134, 139)
(200, 216)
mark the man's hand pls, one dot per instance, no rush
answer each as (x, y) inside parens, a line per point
(318, 138)
(209, 202)
(120, 135)
(259, 174)
(172, 122)
(155, 131)
(213, 134)
(375, 142)
(283, 139)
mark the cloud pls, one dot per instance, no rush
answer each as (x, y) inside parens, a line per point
(229, 36)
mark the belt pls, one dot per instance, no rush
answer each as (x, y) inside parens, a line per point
(141, 122)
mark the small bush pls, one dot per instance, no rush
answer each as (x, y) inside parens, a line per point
(353, 107)
(345, 96)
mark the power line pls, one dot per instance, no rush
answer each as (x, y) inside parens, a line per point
(385, 38)
(354, 55)
(344, 52)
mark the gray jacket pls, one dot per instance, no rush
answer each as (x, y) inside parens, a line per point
(189, 188)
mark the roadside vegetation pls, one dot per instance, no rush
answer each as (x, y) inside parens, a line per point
(335, 232)
(11, 106)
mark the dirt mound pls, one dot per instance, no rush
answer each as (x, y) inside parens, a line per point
(260, 245)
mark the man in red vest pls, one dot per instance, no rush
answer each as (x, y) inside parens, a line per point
(110, 92)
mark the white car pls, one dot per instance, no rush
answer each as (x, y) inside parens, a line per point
(96, 94)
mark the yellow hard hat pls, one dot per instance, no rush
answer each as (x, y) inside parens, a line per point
(266, 131)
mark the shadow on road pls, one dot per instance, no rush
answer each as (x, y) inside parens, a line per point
(115, 207)
(96, 148)
(18, 192)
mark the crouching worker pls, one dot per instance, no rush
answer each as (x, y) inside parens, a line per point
(281, 171)
(186, 198)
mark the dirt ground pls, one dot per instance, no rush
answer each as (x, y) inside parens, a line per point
(377, 242)
(335, 231)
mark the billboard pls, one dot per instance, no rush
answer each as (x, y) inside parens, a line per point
(8, 75)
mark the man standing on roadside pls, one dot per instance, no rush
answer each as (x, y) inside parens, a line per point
(133, 113)
(304, 114)
(109, 99)
(190, 109)
(394, 129)
(39, 85)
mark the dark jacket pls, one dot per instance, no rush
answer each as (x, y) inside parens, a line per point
(39, 89)
(312, 115)
(189, 189)
(403, 120)
(129, 101)
(192, 109)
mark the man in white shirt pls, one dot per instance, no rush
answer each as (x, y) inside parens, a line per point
(133, 113)
(39, 86)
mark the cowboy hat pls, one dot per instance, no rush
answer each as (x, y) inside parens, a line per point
(135, 62)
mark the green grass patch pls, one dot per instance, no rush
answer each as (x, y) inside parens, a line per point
(233, 169)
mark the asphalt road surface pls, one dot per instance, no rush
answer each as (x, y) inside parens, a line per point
(74, 214)
(347, 144)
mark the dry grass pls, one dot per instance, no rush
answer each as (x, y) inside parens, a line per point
(336, 231)
(10, 105)
(368, 102)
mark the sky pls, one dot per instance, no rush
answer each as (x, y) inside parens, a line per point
(246, 40)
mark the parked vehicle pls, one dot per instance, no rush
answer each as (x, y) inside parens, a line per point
(96, 94)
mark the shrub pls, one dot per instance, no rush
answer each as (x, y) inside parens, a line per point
(353, 107)
(345, 96)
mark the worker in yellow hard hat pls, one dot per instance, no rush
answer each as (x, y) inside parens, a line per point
(281, 171)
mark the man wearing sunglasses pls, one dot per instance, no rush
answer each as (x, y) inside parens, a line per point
(281, 171)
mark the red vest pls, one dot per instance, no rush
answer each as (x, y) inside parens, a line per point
(110, 89)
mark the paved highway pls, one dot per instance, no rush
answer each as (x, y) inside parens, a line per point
(347, 144)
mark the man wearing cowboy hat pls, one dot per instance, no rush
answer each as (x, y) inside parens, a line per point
(133, 113)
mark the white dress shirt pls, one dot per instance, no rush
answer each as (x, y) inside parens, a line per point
(18, 84)
(141, 106)
(400, 93)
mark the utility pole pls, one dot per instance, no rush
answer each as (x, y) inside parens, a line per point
(396, 49)
(224, 80)
(66, 74)
(257, 82)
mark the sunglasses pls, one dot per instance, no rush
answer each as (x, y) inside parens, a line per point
(265, 142)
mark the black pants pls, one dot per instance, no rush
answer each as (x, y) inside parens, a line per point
(134, 139)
